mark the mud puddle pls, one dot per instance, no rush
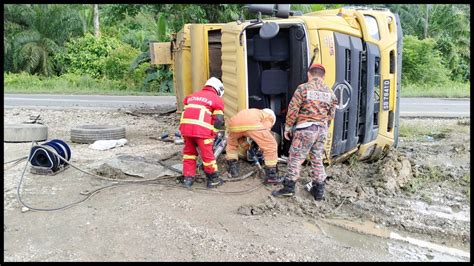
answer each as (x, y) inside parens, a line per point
(445, 212)
(368, 235)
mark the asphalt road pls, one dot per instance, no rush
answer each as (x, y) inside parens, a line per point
(434, 107)
(86, 101)
(410, 107)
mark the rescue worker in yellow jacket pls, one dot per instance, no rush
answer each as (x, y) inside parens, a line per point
(255, 124)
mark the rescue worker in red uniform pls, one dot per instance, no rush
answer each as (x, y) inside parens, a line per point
(203, 114)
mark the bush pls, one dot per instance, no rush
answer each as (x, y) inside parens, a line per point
(422, 62)
(86, 55)
(117, 64)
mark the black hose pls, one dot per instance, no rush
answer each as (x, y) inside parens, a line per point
(140, 182)
(19, 159)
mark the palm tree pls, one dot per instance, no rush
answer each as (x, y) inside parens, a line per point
(44, 30)
(96, 21)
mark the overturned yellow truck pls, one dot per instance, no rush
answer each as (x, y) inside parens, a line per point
(262, 61)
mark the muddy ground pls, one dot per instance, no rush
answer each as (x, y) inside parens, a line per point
(420, 190)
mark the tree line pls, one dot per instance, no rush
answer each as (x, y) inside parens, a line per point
(110, 41)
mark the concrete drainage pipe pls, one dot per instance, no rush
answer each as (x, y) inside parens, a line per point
(24, 132)
(91, 133)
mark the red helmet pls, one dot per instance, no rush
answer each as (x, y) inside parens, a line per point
(317, 66)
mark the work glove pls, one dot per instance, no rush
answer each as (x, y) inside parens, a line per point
(288, 133)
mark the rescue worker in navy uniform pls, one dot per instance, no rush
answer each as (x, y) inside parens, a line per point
(311, 109)
(203, 114)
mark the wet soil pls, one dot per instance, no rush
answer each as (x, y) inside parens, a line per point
(421, 189)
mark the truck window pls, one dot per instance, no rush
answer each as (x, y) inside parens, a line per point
(372, 27)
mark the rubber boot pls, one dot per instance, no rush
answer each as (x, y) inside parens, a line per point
(271, 176)
(233, 168)
(213, 180)
(318, 190)
(288, 189)
(188, 181)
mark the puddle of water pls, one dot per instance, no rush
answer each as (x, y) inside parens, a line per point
(311, 227)
(415, 253)
(367, 234)
(366, 227)
(431, 246)
(444, 212)
(355, 240)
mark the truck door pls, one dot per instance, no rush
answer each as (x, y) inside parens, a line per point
(234, 68)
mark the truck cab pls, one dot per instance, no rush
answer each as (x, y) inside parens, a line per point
(261, 63)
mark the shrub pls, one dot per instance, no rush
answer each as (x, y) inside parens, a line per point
(422, 62)
(86, 55)
(117, 64)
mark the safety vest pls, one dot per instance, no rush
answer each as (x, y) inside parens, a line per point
(250, 119)
(197, 119)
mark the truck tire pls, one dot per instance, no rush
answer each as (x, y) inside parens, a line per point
(91, 133)
(24, 132)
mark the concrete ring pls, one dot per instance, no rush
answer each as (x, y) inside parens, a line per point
(24, 132)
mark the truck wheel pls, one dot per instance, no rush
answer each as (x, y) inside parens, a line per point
(24, 132)
(91, 133)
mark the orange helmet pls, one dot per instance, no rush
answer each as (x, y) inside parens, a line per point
(317, 66)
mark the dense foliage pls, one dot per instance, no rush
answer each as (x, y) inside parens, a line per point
(86, 55)
(57, 40)
(422, 62)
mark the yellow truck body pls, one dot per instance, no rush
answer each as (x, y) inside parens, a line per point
(359, 47)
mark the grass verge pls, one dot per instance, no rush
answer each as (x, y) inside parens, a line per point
(448, 90)
(424, 130)
(69, 84)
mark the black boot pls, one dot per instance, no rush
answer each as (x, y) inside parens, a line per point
(233, 168)
(188, 181)
(318, 190)
(213, 180)
(288, 189)
(271, 176)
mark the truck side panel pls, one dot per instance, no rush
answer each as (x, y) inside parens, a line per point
(233, 70)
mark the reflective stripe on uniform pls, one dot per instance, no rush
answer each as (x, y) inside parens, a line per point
(201, 115)
(189, 157)
(211, 163)
(200, 121)
(207, 141)
(244, 128)
(232, 155)
(197, 122)
(202, 107)
(271, 163)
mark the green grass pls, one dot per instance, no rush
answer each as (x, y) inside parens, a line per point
(76, 84)
(415, 131)
(429, 174)
(448, 90)
(68, 84)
